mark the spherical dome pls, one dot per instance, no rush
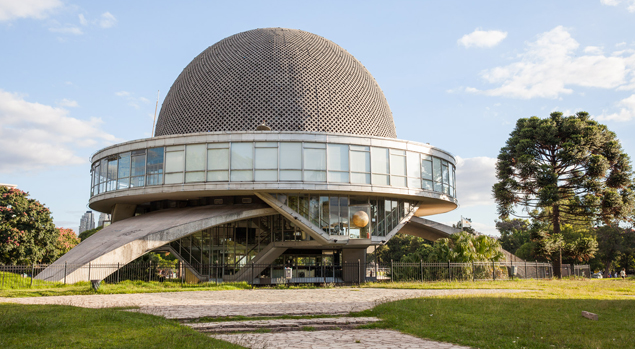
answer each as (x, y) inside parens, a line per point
(289, 79)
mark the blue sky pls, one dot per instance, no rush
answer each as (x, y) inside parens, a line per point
(77, 76)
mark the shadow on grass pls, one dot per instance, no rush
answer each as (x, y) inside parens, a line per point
(493, 322)
(59, 326)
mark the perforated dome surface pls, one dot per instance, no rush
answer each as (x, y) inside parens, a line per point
(290, 79)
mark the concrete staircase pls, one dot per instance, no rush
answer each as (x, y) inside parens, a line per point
(261, 261)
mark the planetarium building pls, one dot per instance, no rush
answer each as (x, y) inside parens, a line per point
(273, 147)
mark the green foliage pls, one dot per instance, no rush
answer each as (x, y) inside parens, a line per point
(87, 233)
(398, 247)
(563, 170)
(616, 247)
(464, 247)
(527, 252)
(513, 233)
(27, 232)
(66, 240)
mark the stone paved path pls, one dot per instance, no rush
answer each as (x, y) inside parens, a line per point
(367, 339)
(258, 302)
(277, 325)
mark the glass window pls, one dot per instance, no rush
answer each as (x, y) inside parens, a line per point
(174, 178)
(397, 181)
(427, 185)
(174, 161)
(314, 159)
(266, 175)
(338, 177)
(291, 156)
(266, 158)
(290, 175)
(344, 215)
(124, 165)
(360, 178)
(138, 163)
(446, 174)
(338, 157)
(381, 179)
(438, 187)
(103, 175)
(334, 214)
(436, 169)
(195, 157)
(194, 177)
(360, 161)
(426, 169)
(218, 159)
(379, 163)
(414, 170)
(315, 176)
(241, 175)
(398, 165)
(112, 174)
(241, 156)
(155, 166)
(218, 176)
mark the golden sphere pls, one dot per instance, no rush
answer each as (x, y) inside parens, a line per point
(360, 219)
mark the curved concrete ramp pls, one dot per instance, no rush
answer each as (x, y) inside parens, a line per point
(427, 229)
(124, 241)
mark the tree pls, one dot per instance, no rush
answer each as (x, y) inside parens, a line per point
(66, 240)
(464, 247)
(27, 232)
(571, 165)
(88, 233)
(615, 243)
(398, 247)
(513, 233)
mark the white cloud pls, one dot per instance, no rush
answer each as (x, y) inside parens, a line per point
(68, 103)
(82, 19)
(482, 38)
(107, 20)
(475, 178)
(35, 136)
(38, 9)
(594, 50)
(626, 113)
(132, 100)
(67, 30)
(550, 66)
(630, 4)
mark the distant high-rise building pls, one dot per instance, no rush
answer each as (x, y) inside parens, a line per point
(104, 219)
(87, 222)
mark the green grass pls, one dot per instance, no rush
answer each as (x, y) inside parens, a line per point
(83, 288)
(547, 316)
(58, 326)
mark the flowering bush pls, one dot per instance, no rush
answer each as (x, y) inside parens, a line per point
(66, 240)
(27, 232)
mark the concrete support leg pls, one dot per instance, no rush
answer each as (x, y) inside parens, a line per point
(121, 212)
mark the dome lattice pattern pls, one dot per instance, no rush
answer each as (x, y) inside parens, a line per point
(291, 79)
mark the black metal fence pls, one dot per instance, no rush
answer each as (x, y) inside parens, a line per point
(448, 271)
(23, 276)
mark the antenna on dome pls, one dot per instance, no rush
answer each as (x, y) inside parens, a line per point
(155, 115)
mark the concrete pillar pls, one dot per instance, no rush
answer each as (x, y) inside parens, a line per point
(121, 212)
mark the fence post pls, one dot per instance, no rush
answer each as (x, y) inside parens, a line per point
(494, 270)
(376, 268)
(526, 270)
(421, 266)
(392, 274)
(88, 271)
(32, 269)
(150, 272)
(359, 272)
(181, 270)
(65, 273)
(513, 269)
(473, 272)
(3, 272)
(449, 272)
(251, 281)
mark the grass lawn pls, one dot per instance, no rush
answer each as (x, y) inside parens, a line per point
(548, 316)
(58, 326)
(81, 288)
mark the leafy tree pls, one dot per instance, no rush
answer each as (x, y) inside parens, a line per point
(528, 252)
(615, 245)
(464, 247)
(398, 247)
(66, 240)
(513, 233)
(88, 233)
(27, 232)
(572, 165)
